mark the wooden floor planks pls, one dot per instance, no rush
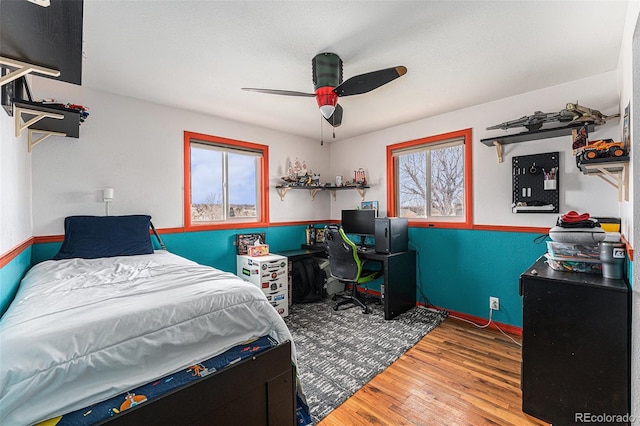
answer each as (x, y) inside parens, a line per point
(457, 374)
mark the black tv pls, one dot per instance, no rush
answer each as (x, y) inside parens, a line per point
(360, 222)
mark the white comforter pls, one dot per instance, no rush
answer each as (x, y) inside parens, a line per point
(80, 331)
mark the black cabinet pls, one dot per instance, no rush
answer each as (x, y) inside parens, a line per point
(576, 347)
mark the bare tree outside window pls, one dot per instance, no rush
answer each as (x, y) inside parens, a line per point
(413, 180)
(431, 181)
(447, 181)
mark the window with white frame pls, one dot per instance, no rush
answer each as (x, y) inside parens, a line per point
(429, 179)
(225, 181)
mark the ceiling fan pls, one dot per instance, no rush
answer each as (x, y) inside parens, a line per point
(328, 85)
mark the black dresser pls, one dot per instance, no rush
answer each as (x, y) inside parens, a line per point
(576, 347)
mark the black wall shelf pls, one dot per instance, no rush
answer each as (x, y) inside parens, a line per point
(69, 124)
(613, 170)
(554, 132)
(313, 190)
(45, 120)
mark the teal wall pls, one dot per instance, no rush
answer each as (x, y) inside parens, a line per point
(458, 270)
(10, 276)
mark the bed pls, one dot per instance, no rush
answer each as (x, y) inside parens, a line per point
(98, 324)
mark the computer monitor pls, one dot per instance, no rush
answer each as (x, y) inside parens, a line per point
(360, 222)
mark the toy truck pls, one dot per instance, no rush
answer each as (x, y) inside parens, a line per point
(603, 148)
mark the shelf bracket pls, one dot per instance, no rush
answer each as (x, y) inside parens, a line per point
(615, 174)
(282, 191)
(23, 68)
(39, 115)
(619, 180)
(361, 191)
(313, 192)
(498, 146)
(45, 134)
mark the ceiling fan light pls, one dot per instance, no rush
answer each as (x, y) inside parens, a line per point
(327, 110)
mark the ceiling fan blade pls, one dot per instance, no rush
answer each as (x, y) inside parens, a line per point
(364, 83)
(280, 92)
(336, 118)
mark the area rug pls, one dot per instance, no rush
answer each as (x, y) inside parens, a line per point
(339, 352)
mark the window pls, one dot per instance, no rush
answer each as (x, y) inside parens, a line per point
(430, 180)
(225, 182)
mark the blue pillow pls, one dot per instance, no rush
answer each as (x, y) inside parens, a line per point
(90, 237)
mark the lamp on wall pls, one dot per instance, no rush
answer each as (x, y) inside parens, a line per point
(107, 197)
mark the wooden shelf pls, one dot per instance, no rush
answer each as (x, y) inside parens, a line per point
(614, 171)
(313, 190)
(554, 132)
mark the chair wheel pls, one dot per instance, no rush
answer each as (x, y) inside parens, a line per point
(335, 308)
(334, 297)
(365, 311)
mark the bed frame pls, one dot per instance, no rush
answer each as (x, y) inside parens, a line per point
(260, 390)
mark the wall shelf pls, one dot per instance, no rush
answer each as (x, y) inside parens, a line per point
(614, 171)
(313, 190)
(554, 132)
(46, 120)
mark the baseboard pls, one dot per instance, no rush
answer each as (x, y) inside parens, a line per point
(507, 328)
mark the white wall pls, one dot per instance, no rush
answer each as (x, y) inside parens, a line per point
(629, 69)
(15, 186)
(136, 147)
(492, 181)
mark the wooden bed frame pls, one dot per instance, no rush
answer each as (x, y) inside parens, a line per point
(260, 390)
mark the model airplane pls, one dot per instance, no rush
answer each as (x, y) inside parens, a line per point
(573, 113)
(584, 114)
(534, 122)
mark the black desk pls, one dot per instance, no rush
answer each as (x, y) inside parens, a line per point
(296, 256)
(399, 288)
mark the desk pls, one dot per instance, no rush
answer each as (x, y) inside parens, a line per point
(296, 256)
(399, 288)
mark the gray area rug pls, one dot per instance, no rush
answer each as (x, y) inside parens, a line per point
(339, 352)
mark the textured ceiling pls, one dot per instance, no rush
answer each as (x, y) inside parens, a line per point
(197, 55)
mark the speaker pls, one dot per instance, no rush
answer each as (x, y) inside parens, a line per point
(392, 234)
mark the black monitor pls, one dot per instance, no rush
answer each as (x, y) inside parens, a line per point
(361, 222)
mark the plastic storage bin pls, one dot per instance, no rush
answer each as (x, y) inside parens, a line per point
(574, 264)
(580, 251)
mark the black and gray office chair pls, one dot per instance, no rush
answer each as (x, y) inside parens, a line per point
(346, 266)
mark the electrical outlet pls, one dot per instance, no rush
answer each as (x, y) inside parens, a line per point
(494, 303)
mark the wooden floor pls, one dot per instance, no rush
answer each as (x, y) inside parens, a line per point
(457, 374)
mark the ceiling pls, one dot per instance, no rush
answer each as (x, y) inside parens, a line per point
(197, 55)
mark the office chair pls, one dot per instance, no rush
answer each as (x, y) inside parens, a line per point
(346, 266)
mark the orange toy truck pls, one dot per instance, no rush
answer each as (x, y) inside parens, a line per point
(603, 148)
